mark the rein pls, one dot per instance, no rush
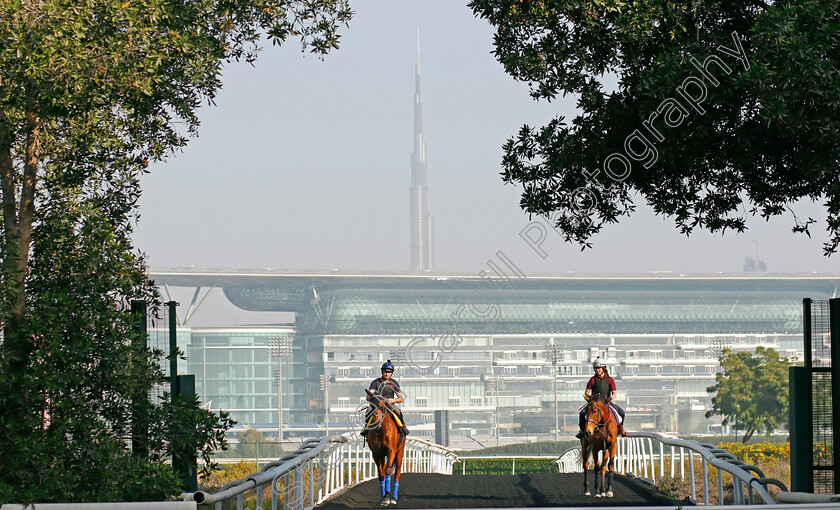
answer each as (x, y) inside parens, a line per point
(383, 406)
(603, 422)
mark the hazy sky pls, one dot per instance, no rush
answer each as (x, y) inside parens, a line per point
(305, 164)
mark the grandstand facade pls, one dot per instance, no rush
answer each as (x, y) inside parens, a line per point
(483, 348)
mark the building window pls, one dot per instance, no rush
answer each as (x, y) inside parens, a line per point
(535, 370)
(454, 400)
(510, 370)
(421, 401)
(427, 417)
(343, 401)
(454, 370)
(475, 401)
(365, 372)
(343, 371)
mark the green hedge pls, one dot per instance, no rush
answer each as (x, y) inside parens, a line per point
(503, 466)
(536, 448)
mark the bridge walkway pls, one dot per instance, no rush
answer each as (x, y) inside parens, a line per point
(500, 491)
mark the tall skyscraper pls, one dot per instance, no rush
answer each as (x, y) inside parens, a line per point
(422, 225)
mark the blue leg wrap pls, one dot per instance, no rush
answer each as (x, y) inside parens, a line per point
(387, 485)
(382, 489)
(396, 489)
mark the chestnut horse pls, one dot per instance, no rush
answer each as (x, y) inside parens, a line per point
(599, 436)
(387, 446)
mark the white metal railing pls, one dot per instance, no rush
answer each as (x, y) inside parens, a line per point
(569, 461)
(637, 455)
(319, 469)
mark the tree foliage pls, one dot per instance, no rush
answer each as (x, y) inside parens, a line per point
(74, 402)
(751, 391)
(90, 93)
(710, 111)
(253, 445)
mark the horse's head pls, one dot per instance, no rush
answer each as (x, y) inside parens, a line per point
(596, 415)
(378, 405)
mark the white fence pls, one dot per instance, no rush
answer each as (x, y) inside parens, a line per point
(645, 455)
(319, 469)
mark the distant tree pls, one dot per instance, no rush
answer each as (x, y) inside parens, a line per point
(751, 391)
(710, 111)
(90, 93)
(253, 444)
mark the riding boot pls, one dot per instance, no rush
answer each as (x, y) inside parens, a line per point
(403, 429)
(581, 421)
(621, 430)
(365, 429)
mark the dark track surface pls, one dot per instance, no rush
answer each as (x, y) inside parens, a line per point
(500, 491)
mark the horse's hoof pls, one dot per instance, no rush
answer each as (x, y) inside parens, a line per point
(393, 501)
(610, 494)
(587, 493)
(598, 495)
(385, 502)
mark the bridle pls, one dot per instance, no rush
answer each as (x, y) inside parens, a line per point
(599, 423)
(380, 405)
(603, 421)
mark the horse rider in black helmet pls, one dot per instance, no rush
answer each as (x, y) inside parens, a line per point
(389, 389)
(601, 384)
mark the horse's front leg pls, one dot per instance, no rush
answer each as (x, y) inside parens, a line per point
(599, 483)
(396, 476)
(602, 474)
(600, 467)
(384, 482)
(611, 470)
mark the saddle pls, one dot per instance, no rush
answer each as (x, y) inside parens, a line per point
(616, 416)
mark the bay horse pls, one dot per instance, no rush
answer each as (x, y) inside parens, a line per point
(599, 436)
(387, 445)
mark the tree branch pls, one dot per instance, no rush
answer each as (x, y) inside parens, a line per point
(30, 178)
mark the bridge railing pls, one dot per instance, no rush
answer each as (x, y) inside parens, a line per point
(319, 469)
(645, 455)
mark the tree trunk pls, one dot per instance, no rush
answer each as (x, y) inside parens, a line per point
(17, 235)
(10, 233)
(748, 435)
